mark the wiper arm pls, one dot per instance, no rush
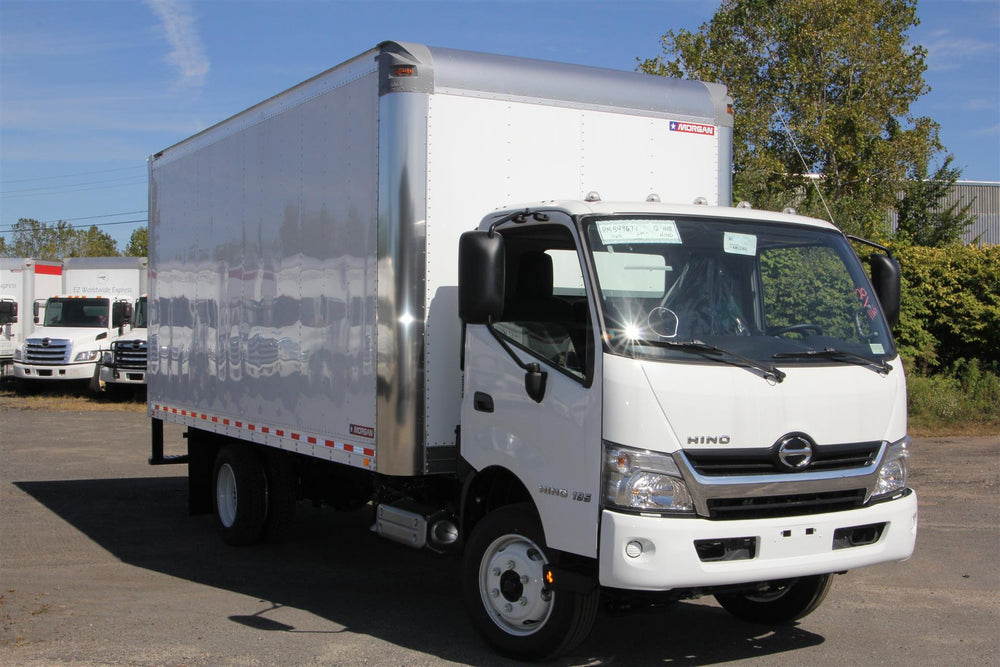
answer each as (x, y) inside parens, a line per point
(837, 355)
(723, 355)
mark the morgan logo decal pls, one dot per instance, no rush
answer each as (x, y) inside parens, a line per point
(362, 431)
(692, 128)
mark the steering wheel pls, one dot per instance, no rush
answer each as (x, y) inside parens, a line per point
(796, 328)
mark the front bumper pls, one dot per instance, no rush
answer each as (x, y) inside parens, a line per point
(116, 375)
(785, 547)
(84, 371)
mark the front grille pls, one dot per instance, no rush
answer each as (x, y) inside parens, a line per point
(130, 355)
(716, 463)
(781, 506)
(52, 353)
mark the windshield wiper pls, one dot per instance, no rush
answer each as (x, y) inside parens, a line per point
(837, 355)
(723, 355)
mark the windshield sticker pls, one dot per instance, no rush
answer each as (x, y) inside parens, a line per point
(638, 231)
(877, 348)
(740, 244)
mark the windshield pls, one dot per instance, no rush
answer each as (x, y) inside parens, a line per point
(76, 312)
(139, 318)
(752, 289)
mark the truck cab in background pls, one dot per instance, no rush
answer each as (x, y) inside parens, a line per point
(23, 281)
(81, 323)
(124, 364)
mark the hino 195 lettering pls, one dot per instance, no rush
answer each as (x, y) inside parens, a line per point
(611, 394)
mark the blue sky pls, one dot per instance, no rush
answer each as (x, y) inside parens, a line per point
(88, 89)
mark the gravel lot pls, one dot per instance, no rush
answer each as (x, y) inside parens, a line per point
(101, 565)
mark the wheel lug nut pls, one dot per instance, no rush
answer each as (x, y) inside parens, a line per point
(495, 593)
(524, 579)
(508, 608)
(495, 572)
(511, 565)
(523, 602)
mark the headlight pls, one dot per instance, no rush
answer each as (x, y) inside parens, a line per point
(90, 355)
(17, 354)
(108, 358)
(641, 480)
(892, 475)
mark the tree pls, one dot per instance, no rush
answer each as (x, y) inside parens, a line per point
(921, 219)
(138, 243)
(93, 243)
(822, 93)
(31, 238)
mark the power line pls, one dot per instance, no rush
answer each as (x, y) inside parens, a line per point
(102, 224)
(75, 187)
(93, 217)
(84, 173)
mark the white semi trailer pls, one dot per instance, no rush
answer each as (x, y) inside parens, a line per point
(22, 282)
(93, 310)
(608, 394)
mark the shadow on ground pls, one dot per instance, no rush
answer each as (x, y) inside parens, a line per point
(335, 568)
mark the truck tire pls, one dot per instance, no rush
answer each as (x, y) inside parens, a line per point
(505, 593)
(781, 602)
(240, 495)
(282, 495)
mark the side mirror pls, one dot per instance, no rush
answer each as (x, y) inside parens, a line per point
(480, 277)
(534, 382)
(8, 312)
(886, 281)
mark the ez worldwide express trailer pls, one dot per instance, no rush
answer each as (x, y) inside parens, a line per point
(625, 391)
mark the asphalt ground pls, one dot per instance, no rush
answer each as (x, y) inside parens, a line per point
(100, 564)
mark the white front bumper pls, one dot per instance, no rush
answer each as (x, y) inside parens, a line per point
(787, 547)
(122, 376)
(69, 372)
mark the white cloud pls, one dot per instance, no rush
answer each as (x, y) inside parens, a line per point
(187, 53)
(948, 51)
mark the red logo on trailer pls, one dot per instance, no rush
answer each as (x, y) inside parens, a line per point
(362, 431)
(692, 128)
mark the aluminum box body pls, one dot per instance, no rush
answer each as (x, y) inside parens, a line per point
(303, 253)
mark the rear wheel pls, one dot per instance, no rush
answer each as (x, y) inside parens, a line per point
(505, 591)
(240, 495)
(778, 602)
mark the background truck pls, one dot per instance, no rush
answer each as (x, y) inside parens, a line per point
(22, 281)
(93, 310)
(124, 364)
(611, 394)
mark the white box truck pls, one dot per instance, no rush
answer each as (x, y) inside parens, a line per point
(93, 310)
(124, 363)
(22, 281)
(609, 394)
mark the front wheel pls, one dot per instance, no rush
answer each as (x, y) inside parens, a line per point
(778, 602)
(505, 591)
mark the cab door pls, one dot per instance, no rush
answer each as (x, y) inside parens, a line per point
(552, 441)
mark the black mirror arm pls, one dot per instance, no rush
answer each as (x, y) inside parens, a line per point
(534, 379)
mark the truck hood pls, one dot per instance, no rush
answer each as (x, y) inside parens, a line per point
(669, 406)
(75, 334)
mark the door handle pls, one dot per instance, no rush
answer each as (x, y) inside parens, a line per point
(482, 402)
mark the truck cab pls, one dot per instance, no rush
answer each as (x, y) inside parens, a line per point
(124, 363)
(73, 334)
(685, 399)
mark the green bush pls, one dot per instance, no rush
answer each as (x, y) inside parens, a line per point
(965, 394)
(950, 305)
